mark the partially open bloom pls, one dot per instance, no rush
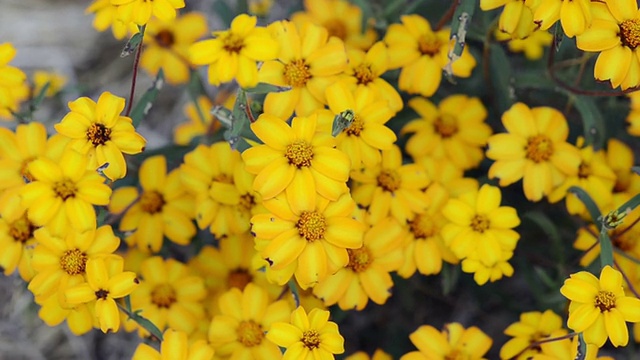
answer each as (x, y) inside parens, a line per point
(234, 53)
(422, 54)
(13, 88)
(534, 149)
(532, 46)
(454, 341)
(377, 355)
(615, 34)
(599, 307)
(532, 327)
(107, 16)
(175, 345)
(17, 242)
(308, 337)
(41, 78)
(98, 131)
(106, 281)
(140, 11)
(574, 15)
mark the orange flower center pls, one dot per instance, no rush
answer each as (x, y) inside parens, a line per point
(429, 44)
(311, 225)
(102, 294)
(456, 354)
(65, 189)
(21, 230)
(584, 170)
(296, 73)
(151, 202)
(423, 227)
(356, 127)
(364, 74)
(336, 27)
(247, 202)
(232, 43)
(389, 180)
(539, 148)
(446, 126)
(311, 339)
(165, 38)
(73, 262)
(630, 33)
(249, 333)
(480, 223)
(239, 278)
(359, 259)
(98, 134)
(605, 300)
(299, 154)
(163, 295)
(24, 170)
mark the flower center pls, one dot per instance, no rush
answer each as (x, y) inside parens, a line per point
(249, 333)
(296, 73)
(21, 230)
(232, 43)
(239, 278)
(359, 259)
(605, 300)
(98, 134)
(446, 126)
(102, 294)
(630, 33)
(539, 148)
(163, 296)
(311, 225)
(165, 38)
(311, 339)
(247, 202)
(364, 74)
(336, 28)
(456, 354)
(65, 189)
(151, 202)
(429, 44)
(356, 127)
(73, 262)
(423, 227)
(299, 154)
(584, 170)
(389, 180)
(480, 223)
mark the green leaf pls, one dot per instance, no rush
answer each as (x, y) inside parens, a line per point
(195, 89)
(36, 101)
(264, 88)
(148, 325)
(582, 348)
(588, 203)
(592, 121)
(501, 78)
(146, 102)
(240, 124)
(294, 291)
(606, 249)
(629, 205)
(459, 25)
(132, 44)
(450, 275)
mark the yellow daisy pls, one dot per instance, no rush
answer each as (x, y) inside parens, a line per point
(516, 18)
(574, 15)
(532, 327)
(453, 341)
(13, 88)
(17, 242)
(140, 11)
(175, 344)
(106, 15)
(17, 150)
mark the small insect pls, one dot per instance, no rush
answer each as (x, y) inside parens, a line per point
(342, 121)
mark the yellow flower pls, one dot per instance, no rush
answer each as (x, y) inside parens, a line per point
(365, 71)
(13, 88)
(532, 327)
(341, 19)
(260, 8)
(296, 160)
(196, 125)
(484, 270)
(308, 62)
(614, 33)
(478, 224)
(366, 276)
(63, 193)
(391, 188)
(169, 295)
(620, 159)
(308, 337)
(532, 46)
(225, 200)
(453, 342)
(454, 131)
(234, 53)
(599, 307)
(574, 15)
(167, 46)
(367, 135)
(534, 149)
(175, 345)
(516, 18)
(17, 242)
(162, 208)
(106, 281)
(377, 355)
(41, 78)
(422, 54)
(80, 318)
(107, 16)
(239, 331)
(309, 240)
(634, 114)
(140, 11)
(17, 150)
(100, 132)
(566, 349)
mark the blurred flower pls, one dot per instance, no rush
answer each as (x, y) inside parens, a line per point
(175, 345)
(532, 46)
(200, 120)
(574, 15)
(532, 327)
(453, 342)
(17, 150)
(234, 53)
(41, 78)
(17, 242)
(13, 88)
(566, 349)
(516, 18)
(634, 114)
(377, 355)
(106, 15)
(140, 11)
(260, 8)
(599, 307)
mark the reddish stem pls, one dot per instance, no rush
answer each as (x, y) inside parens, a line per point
(136, 63)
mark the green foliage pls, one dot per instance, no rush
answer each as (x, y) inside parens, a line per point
(144, 105)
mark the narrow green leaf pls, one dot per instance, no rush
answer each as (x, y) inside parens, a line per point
(550, 229)
(240, 123)
(582, 348)
(450, 275)
(592, 121)
(629, 205)
(459, 26)
(36, 101)
(588, 203)
(501, 78)
(146, 102)
(606, 249)
(148, 325)
(544, 277)
(195, 89)
(413, 6)
(132, 44)
(294, 292)
(264, 88)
